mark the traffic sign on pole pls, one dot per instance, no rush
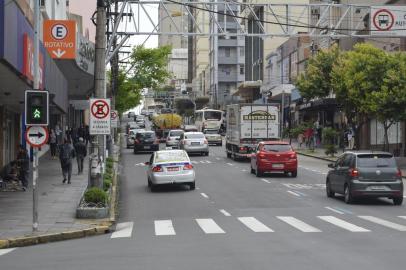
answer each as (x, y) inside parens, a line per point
(36, 136)
(114, 119)
(99, 116)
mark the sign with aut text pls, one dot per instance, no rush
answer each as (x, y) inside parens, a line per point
(60, 38)
(388, 20)
(99, 116)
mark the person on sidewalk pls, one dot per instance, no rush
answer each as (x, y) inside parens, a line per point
(300, 139)
(53, 143)
(24, 164)
(81, 153)
(66, 154)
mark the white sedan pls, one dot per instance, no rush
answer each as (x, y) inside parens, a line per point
(170, 167)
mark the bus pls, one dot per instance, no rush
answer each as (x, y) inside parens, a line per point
(208, 119)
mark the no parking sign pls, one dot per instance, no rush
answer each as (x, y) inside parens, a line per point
(99, 116)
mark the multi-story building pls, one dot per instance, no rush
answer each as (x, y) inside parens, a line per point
(226, 54)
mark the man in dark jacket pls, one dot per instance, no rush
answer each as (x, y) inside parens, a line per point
(66, 154)
(24, 164)
(81, 153)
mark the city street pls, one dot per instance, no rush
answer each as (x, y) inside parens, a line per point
(233, 220)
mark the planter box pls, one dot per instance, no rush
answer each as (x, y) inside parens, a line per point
(93, 212)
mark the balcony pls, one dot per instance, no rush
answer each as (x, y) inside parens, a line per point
(224, 77)
(231, 42)
(232, 60)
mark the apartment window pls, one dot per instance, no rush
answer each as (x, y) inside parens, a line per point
(242, 52)
(227, 52)
(242, 69)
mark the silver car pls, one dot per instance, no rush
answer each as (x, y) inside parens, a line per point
(194, 142)
(172, 140)
(131, 137)
(169, 167)
(213, 136)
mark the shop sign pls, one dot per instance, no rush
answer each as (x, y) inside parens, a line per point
(85, 54)
(388, 20)
(99, 116)
(305, 106)
(28, 61)
(60, 38)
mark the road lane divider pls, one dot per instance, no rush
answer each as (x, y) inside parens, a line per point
(343, 224)
(224, 212)
(254, 224)
(298, 224)
(293, 193)
(334, 210)
(204, 195)
(5, 251)
(265, 180)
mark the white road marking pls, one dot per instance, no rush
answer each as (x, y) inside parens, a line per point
(194, 162)
(293, 193)
(139, 164)
(404, 217)
(334, 210)
(164, 227)
(266, 181)
(254, 224)
(123, 230)
(204, 195)
(197, 188)
(6, 250)
(209, 226)
(231, 164)
(224, 212)
(385, 223)
(218, 158)
(298, 224)
(243, 170)
(343, 224)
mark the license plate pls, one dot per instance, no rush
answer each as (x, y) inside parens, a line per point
(277, 166)
(195, 143)
(147, 147)
(377, 187)
(172, 169)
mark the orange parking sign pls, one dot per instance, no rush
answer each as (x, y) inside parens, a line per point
(60, 38)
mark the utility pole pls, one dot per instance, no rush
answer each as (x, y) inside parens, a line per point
(98, 141)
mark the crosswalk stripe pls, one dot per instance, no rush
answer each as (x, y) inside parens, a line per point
(298, 224)
(343, 224)
(164, 227)
(254, 224)
(123, 230)
(209, 226)
(6, 250)
(404, 217)
(384, 223)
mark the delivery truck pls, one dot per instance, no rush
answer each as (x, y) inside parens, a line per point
(249, 124)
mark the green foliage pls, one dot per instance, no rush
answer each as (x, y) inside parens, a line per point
(317, 78)
(329, 134)
(330, 150)
(96, 195)
(106, 184)
(128, 94)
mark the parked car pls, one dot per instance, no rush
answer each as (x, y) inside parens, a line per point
(194, 142)
(365, 174)
(172, 140)
(213, 136)
(170, 167)
(274, 157)
(130, 126)
(131, 137)
(145, 141)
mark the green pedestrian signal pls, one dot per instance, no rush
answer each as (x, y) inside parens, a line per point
(36, 108)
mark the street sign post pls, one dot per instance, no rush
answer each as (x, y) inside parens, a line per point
(99, 116)
(36, 136)
(114, 119)
(388, 20)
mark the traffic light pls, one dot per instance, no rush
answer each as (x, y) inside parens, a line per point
(36, 108)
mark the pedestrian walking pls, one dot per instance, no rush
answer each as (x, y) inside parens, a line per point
(87, 135)
(300, 139)
(66, 154)
(24, 165)
(81, 153)
(53, 143)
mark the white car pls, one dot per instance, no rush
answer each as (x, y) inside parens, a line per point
(170, 167)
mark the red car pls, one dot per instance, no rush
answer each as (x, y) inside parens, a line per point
(274, 156)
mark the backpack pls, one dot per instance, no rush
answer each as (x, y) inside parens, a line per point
(65, 153)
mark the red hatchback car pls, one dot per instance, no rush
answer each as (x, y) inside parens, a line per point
(274, 156)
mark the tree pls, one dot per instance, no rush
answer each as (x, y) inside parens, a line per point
(315, 82)
(128, 93)
(357, 76)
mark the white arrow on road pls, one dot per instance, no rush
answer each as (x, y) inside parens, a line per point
(59, 53)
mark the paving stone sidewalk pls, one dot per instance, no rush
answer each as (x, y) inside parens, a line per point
(56, 202)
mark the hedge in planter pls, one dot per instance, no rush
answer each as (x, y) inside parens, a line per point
(96, 195)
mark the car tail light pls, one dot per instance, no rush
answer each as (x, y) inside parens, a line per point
(206, 142)
(293, 156)
(157, 169)
(399, 173)
(243, 149)
(353, 172)
(188, 167)
(136, 141)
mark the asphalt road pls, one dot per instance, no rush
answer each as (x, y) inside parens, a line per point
(233, 220)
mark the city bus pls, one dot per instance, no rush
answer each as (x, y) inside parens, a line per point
(208, 119)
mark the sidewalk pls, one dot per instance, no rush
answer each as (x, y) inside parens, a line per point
(320, 154)
(56, 203)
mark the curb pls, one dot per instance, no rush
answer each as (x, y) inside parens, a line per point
(53, 237)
